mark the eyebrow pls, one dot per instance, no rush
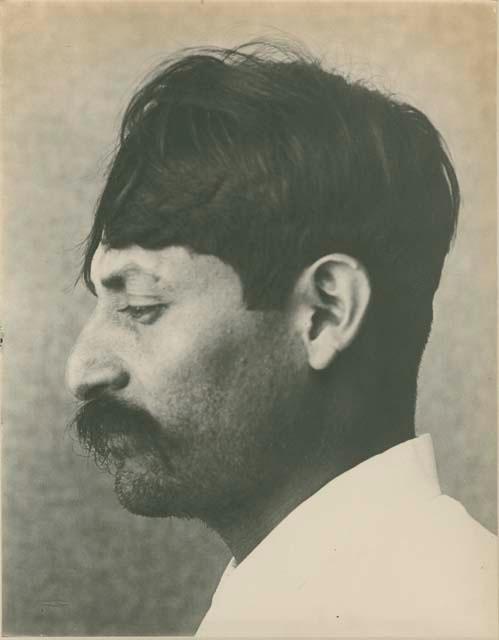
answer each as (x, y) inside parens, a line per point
(116, 280)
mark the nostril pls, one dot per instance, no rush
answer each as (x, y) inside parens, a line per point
(97, 384)
(120, 381)
(90, 392)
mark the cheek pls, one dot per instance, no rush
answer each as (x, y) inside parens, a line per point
(190, 366)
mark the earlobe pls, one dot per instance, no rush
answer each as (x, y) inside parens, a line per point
(334, 295)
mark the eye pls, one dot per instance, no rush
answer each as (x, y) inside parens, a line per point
(146, 314)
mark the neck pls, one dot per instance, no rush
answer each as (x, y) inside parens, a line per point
(245, 527)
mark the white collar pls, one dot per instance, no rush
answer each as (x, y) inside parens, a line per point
(377, 552)
(373, 492)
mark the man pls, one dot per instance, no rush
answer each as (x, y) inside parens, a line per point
(264, 255)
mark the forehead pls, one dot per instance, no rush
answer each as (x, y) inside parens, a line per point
(170, 266)
(108, 261)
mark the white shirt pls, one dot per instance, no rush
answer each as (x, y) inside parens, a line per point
(378, 551)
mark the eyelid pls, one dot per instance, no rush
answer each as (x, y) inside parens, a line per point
(144, 313)
(142, 303)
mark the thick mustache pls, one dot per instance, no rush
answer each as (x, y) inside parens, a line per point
(101, 421)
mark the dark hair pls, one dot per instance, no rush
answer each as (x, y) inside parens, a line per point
(264, 159)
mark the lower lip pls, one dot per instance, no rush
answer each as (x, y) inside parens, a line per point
(119, 446)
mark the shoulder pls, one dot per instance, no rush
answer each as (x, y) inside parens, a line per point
(446, 568)
(461, 552)
(423, 569)
(431, 572)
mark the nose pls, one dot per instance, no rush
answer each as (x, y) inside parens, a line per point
(93, 369)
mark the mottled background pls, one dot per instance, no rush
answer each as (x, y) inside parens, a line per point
(74, 562)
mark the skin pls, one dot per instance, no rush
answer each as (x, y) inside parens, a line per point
(244, 435)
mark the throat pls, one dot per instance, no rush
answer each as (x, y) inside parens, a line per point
(244, 526)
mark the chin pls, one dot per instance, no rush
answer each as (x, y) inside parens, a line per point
(143, 493)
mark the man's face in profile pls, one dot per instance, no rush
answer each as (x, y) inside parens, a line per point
(205, 398)
(187, 392)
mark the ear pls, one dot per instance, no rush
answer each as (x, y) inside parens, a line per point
(331, 299)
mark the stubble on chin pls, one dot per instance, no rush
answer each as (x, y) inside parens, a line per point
(145, 487)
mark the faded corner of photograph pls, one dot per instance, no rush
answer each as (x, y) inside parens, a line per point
(205, 347)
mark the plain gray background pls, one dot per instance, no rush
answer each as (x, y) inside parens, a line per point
(74, 561)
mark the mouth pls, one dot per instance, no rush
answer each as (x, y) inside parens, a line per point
(114, 433)
(122, 445)
(118, 445)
